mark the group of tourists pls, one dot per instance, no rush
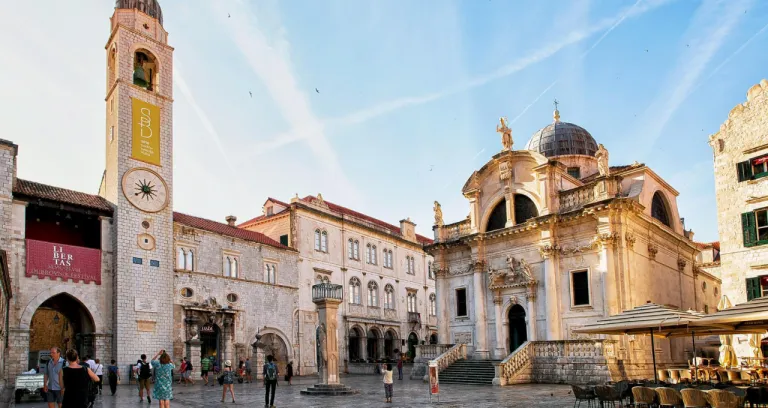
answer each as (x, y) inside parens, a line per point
(69, 382)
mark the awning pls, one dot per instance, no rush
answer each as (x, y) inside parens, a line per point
(751, 316)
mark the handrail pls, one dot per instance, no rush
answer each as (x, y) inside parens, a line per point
(516, 361)
(450, 356)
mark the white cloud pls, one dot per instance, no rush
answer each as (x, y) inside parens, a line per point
(541, 53)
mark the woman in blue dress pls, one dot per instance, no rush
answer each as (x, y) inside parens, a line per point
(163, 391)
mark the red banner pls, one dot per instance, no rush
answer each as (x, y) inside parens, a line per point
(49, 260)
(434, 384)
(760, 160)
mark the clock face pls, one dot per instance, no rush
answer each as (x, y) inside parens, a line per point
(145, 190)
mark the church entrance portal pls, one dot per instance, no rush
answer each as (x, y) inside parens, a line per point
(274, 346)
(210, 340)
(61, 321)
(413, 340)
(518, 332)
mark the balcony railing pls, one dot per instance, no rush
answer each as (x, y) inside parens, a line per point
(414, 317)
(323, 291)
(454, 231)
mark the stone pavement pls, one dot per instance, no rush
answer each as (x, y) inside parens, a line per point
(407, 393)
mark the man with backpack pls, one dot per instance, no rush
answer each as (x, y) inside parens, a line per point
(205, 366)
(270, 382)
(144, 369)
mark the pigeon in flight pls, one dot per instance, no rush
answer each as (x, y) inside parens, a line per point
(317, 90)
(250, 93)
(229, 15)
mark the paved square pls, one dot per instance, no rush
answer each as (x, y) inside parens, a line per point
(407, 393)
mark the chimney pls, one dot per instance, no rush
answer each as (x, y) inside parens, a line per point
(408, 229)
(231, 220)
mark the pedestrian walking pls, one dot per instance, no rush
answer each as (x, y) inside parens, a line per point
(99, 371)
(113, 375)
(289, 373)
(270, 382)
(216, 369)
(188, 373)
(205, 366)
(182, 370)
(387, 368)
(228, 381)
(163, 391)
(75, 380)
(144, 370)
(90, 362)
(248, 370)
(400, 368)
(51, 384)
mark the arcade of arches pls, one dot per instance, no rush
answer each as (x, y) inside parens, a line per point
(524, 209)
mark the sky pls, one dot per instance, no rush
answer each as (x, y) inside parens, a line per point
(386, 106)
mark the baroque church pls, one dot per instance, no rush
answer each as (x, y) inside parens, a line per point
(119, 273)
(556, 238)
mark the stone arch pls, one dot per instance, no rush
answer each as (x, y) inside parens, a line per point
(273, 331)
(100, 325)
(661, 209)
(500, 197)
(155, 65)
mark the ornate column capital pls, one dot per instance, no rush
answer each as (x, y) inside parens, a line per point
(681, 263)
(630, 239)
(607, 239)
(478, 265)
(548, 250)
(652, 250)
(498, 299)
(530, 293)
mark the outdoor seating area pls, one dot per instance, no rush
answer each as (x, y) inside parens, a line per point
(649, 394)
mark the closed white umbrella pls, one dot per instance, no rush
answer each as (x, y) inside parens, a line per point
(757, 352)
(727, 353)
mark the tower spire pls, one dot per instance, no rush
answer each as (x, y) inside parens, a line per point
(556, 113)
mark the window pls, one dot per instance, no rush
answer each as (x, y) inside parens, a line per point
(498, 218)
(411, 302)
(430, 273)
(232, 298)
(389, 297)
(752, 169)
(754, 225)
(144, 70)
(317, 240)
(180, 258)
(373, 294)
(270, 211)
(374, 255)
(324, 241)
(574, 172)
(461, 302)
(353, 249)
(580, 288)
(322, 279)
(185, 259)
(410, 265)
(187, 292)
(370, 254)
(432, 305)
(757, 287)
(189, 263)
(388, 258)
(230, 266)
(354, 291)
(659, 209)
(111, 134)
(284, 239)
(525, 209)
(270, 272)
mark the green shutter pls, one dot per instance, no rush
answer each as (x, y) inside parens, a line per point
(753, 288)
(749, 229)
(744, 170)
(284, 239)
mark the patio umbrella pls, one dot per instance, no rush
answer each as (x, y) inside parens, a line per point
(727, 353)
(757, 352)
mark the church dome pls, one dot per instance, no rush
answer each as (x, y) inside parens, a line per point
(562, 138)
(149, 7)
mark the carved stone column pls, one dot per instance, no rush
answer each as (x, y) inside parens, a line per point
(193, 353)
(500, 350)
(510, 202)
(327, 309)
(443, 305)
(607, 267)
(530, 296)
(481, 322)
(548, 253)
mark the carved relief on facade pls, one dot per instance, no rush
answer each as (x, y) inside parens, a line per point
(462, 337)
(516, 274)
(652, 250)
(548, 250)
(608, 239)
(630, 239)
(505, 171)
(681, 264)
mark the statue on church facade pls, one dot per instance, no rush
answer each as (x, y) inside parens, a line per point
(506, 134)
(438, 214)
(602, 160)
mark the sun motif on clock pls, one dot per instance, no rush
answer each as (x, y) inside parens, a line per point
(145, 190)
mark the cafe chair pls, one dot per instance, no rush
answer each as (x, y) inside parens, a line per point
(583, 394)
(669, 397)
(693, 398)
(644, 397)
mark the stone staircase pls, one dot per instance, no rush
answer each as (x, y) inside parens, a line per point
(329, 390)
(479, 372)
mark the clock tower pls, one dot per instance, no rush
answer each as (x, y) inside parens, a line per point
(138, 178)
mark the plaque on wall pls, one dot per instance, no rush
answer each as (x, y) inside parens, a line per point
(145, 325)
(145, 304)
(462, 337)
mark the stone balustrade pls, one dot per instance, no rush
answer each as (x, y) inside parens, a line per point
(356, 310)
(450, 356)
(431, 351)
(390, 314)
(453, 231)
(576, 197)
(515, 369)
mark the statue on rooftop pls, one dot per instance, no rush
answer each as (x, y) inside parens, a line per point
(506, 134)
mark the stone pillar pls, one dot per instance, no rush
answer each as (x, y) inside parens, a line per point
(193, 354)
(530, 296)
(500, 351)
(607, 268)
(510, 203)
(481, 322)
(327, 312)
(17, 360)
(362, 342)
(443, 307)
(381, 347)
(227, 343)
(548, 253)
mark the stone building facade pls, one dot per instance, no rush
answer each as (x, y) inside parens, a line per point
(556, 238)
(120, 273)
(390, 295)
(740, 153)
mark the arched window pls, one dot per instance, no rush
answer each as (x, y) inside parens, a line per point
(353, 249)
(659, 209)
(354, 291)
(432, 305)
(189, 263)
(411, 302)
(498, 218)
(389, 297)
(270, 273)
(410, 265)
(429, 270)
(227, 266)
(356, 249)
(145, 70)
(317, 240)
(368, 253)
(234, 267)
(324, 241)
(525, 208)
(374, 255)
(373, 294)
(180, 258)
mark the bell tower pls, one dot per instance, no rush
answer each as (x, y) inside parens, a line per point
(138, 178)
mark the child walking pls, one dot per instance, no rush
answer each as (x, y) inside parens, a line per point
(388, 382)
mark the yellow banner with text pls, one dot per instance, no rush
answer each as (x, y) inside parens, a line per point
(146, 132)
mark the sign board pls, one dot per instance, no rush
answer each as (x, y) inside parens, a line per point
(145, 325)
(434, 382)
(145, 124)
(145, 304)
(50, 260)
(207, 328)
